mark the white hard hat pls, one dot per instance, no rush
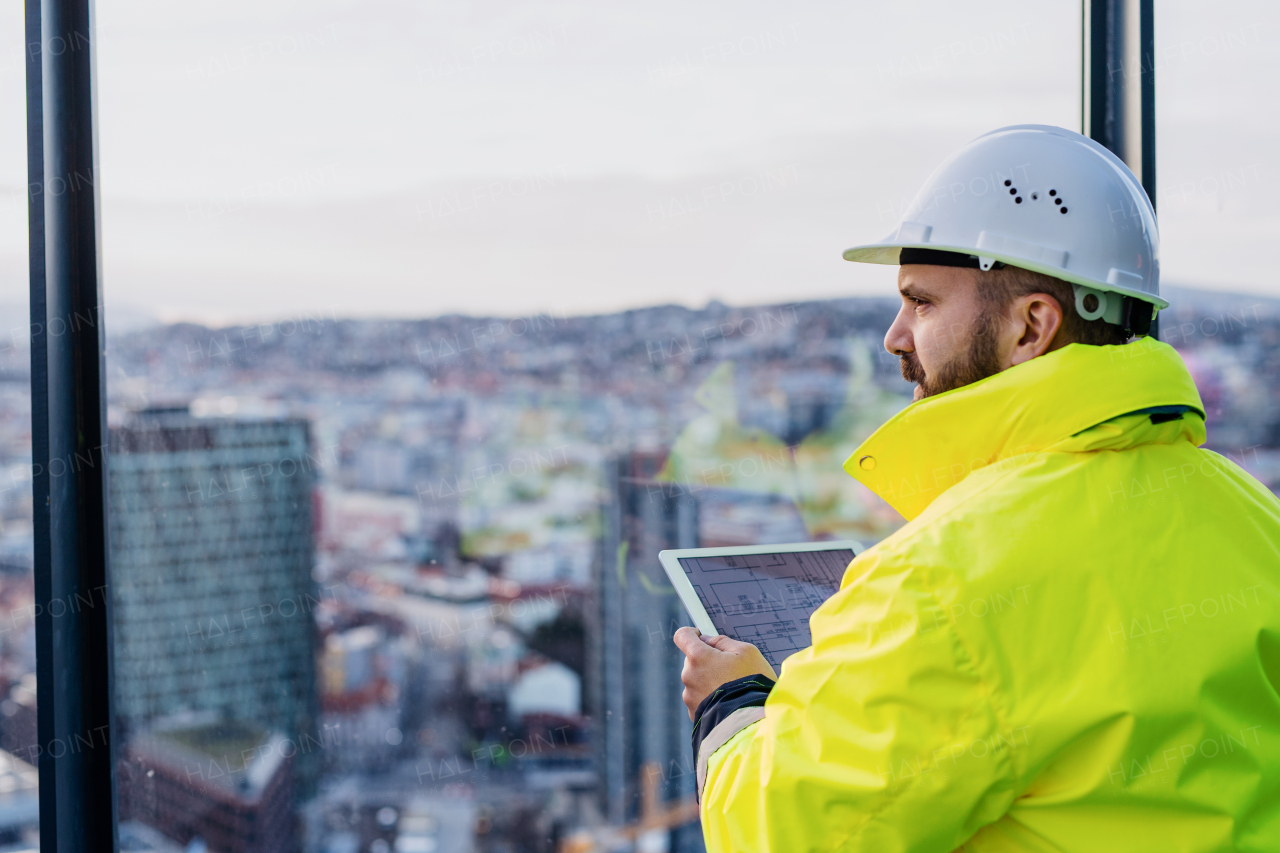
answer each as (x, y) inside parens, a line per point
(1045, 199)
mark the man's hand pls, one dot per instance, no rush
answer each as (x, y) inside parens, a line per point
(712, 661)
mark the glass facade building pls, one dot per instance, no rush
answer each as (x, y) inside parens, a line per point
(212, 552)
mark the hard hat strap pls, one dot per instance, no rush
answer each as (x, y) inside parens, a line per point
(1132, 314)
(1135, 316)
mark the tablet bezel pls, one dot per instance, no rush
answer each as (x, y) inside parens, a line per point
(670, 561)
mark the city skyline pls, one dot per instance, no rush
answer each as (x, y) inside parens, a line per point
(487, 496)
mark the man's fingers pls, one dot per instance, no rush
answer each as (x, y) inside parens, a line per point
(746, 653)
(691, 642)
(726, 644)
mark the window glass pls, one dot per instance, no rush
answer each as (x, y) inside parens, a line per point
(1214, 188)
(429, 325)
(19, 744)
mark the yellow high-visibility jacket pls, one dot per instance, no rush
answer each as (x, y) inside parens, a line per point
(1072, 645)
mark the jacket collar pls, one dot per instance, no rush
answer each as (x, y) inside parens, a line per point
(936, 442)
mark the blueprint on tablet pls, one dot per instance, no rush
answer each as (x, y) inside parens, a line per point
(766, 599)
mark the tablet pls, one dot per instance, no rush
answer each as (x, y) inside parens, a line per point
(759, 594)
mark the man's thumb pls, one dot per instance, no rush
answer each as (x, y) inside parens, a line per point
(690, 641)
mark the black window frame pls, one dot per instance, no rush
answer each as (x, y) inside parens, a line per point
(68, 434)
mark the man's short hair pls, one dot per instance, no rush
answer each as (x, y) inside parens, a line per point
(1000, 287)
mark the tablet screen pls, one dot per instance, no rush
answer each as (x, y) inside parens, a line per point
(766, 599)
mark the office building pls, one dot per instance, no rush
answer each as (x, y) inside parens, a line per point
(211, 558)
(641, 724)
(199, 776)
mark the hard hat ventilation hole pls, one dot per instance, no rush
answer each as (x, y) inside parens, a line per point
(1062, 210)
(1053, 192)
(1035, 196)
(1008, 183)
(1013, 191)
(1018, 199)
(1057, 201)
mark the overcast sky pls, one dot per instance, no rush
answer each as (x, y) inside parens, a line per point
(383, 157)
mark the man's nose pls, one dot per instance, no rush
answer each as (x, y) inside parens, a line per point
(898, 339)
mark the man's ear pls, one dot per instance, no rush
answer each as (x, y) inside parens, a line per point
(1038, 317)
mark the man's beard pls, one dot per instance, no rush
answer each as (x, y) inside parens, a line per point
(978, 362)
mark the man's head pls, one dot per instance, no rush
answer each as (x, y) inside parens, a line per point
(1054, 211)
(958, 324)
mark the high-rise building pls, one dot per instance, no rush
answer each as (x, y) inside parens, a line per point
(211, 559)
(642, 727)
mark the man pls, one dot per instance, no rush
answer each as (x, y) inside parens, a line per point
(1074, 642)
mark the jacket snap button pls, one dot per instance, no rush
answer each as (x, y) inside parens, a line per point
(866, 463)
